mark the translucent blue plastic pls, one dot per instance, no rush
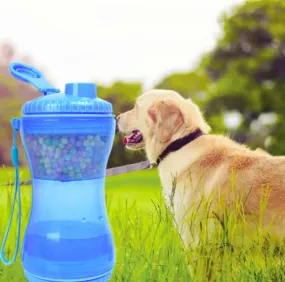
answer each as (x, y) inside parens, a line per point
(67, 138)
(68, 236)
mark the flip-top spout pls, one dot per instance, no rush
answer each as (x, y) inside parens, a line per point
(31, 75)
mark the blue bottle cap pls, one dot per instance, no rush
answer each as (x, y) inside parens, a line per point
(87, 90)
(79, 98)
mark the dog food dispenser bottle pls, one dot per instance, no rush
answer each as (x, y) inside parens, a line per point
(67, 139)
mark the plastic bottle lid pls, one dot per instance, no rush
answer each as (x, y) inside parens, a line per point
(79, 98)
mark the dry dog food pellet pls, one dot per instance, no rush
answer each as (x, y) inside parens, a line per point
(69, 157)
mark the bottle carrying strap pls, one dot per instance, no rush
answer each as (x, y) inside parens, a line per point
(15, 160)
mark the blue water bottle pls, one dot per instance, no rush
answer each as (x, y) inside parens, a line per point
(67, 138)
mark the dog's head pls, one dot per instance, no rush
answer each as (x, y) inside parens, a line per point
(158, 118)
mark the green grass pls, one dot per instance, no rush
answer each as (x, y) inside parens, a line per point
(147, 244)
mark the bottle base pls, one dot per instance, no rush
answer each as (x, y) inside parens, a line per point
(102, 278)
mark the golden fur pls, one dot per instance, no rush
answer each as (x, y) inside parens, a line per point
(206, 166)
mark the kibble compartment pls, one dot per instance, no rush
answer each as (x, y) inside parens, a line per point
(68, 156)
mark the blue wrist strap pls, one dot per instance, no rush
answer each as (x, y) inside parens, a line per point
(15, 160)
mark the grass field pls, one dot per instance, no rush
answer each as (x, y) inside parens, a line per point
(148, 246)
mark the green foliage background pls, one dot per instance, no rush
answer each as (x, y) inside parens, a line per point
(243, 75)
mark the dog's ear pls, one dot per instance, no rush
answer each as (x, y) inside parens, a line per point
(167, 119)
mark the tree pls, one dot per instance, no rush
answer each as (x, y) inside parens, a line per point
(247, 70)
(191, 84)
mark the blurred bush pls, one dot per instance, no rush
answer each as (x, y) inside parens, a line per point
(122, 95)
(13, 94)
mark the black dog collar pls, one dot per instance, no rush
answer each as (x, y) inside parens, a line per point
(177, 144)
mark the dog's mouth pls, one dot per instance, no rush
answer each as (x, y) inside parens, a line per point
(133, 139)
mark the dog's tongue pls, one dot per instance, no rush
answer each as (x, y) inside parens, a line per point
(128, 138)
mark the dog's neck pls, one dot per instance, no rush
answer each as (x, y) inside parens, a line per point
(176, 145)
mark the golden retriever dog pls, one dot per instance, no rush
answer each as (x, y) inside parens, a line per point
(175, 136)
